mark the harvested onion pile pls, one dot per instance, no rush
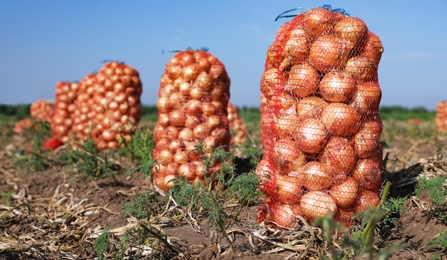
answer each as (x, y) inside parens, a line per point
(441, 116)
(238, 127)
(321, 126)
(116, 106)
(62, 121)
(192, 109)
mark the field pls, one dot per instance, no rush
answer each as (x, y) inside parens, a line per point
(82, 204)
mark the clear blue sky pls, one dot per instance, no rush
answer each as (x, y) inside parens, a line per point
(43, 42)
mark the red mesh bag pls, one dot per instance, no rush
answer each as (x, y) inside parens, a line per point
(320, 126)
(116, 104)
(64, 108)
(42, 110)
(238, 127)
(192, 109)
(441, 116)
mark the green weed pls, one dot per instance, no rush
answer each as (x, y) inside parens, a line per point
(102, 244)
(439, 244)
(434, 188)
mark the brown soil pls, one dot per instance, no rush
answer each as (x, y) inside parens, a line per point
(54, 214)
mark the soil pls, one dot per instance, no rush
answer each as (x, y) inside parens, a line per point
(55, 214)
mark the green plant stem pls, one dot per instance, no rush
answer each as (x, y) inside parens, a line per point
(219, 220)
(368, 232)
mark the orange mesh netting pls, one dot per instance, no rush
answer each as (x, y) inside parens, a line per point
(320, 125)
(192, 109)
(62, 122)
(238, 127)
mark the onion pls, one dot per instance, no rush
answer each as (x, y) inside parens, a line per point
(339, 154)
(286, 122)
(201, 131)
(311, 135)
(318, 21)
(367, 199)
(271, 82)
(222, 136)
(373, 48)
(345, 194)
(186, 134)
(171, 132)
(203, 81)
(217, 70)
(288, 189)
(192, 121)
(310, 107)
(166, 91)
(284, 215)
(345, 217)
(174, 145)
(188, 171)
(367, 174)
(163, 105)
(180, 157)
(169, 181)
(208, 109)
(191, 150)
(190, 72)
(341, 119)
(317, 204)
(283, 100)
(297, 47)
(287, 155)
(196, 93)
(317, 176)
(177, 118)
(362, 69)
(267, 176)
(337, 86)
(200, 169)
(366, 98)
(163, 119)
(165, 156)
(303, 80)
(329, 52)
(214, 121)
(352, 29)
(193, 107)
(367, 140)
(176, 100)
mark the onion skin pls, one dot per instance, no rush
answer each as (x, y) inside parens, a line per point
(362, 69)
(287, 156)
(337, 86)
(345, 193)
(352, 29)
(339, 154)
(366, 141)
(310, 107)
(366, 200)
(367, 174)
(341, 119)
(284, 215)
(311, 135)
(317, 204)
(329, 52)
(366, 98)
(303, 80)
(267, 175)
(317, 176)
(288, 189)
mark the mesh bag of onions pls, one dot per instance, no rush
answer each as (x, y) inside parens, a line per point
(116, 105)
(192, 110)
(64, 108)
(40, 110)
(441, 116)
(238, 127)
(320, 126)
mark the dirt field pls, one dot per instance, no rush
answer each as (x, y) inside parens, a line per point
(55, 214)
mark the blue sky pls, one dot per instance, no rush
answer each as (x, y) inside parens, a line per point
(43, 42)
